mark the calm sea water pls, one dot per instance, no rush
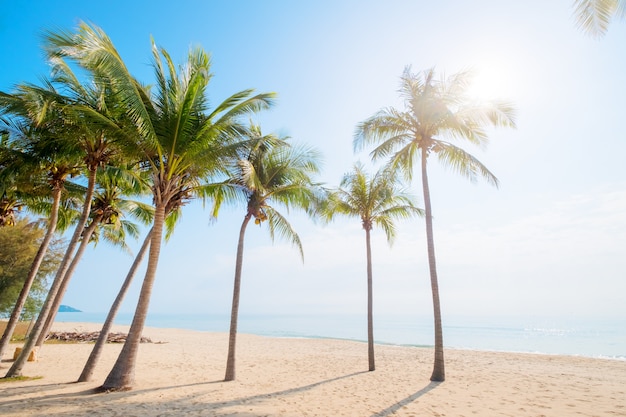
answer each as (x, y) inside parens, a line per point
(594, 338)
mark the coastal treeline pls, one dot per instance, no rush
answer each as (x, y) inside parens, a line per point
(97, 152)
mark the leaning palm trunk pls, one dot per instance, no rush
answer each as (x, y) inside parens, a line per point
(65, 282)
(232, 337)
(90, 366)
(370, 309)
(41, 252)
(438, 368)
(122, 375)
(33, 336)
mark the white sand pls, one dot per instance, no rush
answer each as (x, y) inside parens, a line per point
(303, 377)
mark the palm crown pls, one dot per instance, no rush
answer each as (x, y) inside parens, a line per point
(376, 201)
(437, 113)
(269, 171)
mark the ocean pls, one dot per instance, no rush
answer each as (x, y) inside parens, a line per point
(579, 337)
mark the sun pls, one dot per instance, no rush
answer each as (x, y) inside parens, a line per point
(493, 81)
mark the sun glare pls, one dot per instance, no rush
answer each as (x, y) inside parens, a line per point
(493, 81)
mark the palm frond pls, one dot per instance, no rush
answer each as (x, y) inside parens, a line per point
(594, 16)
(229, 192)
(278, 225)
(464, 163)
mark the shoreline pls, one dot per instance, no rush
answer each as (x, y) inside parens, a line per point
(181, 373)
(381, 343)
(590, 337)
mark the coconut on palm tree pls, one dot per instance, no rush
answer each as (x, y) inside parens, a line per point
(437, 114)
(377, 201)
(268, 174)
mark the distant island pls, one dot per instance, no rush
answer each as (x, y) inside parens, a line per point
(68, 309)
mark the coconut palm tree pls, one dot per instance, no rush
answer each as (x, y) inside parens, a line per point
(376, 200)
(436, 113)
(94, 125)
(267, 174)
(109, 208)
(594, 16)
(30, 122)
(96, 352)
(181, 144)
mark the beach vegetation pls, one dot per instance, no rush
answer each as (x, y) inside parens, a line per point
(34, 169)
(178, 141)
(20, 329)
(437, 113)
(94, 126)
(377, 200)
(268, 173)
(20, 378)
(109, 221)
(19, 244)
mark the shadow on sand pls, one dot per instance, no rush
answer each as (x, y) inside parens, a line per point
(395, 407)
(217, 407)
(53, 399)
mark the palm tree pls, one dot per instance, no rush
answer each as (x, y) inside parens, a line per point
(28, 155)
(269, 172)
(90, 116)
(376, 201)
(179, 142)
(594, 16)
(108, 211)
(437, 112)
(96, 352)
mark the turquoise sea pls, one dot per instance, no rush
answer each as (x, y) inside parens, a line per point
(581, 337)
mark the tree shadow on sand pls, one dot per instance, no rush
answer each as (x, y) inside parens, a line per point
(264, 396)
(395, 407)
(111, 397)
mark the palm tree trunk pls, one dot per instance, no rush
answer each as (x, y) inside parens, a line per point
(370, 309)
(66, 280)
(122, 375)
(232, 337)
(16, 368)
(90, 365)
(32, 274)
(438, 368)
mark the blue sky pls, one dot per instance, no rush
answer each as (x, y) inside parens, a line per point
(549, 241)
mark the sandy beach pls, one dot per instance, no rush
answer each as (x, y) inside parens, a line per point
(181, 372)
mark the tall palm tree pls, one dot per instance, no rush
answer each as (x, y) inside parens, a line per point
(436, 113)
(376, 201)
(96, 352)
(30, 154)
(594, 16)
(269, 173)
(91, 116)
(179, 141)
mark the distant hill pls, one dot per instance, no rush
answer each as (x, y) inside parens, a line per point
(68, 309)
